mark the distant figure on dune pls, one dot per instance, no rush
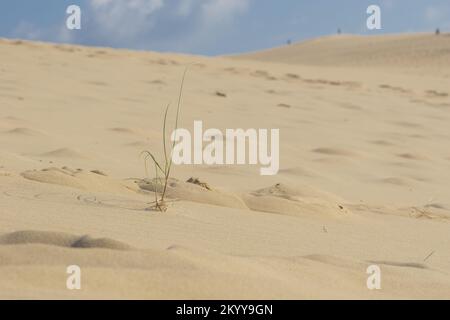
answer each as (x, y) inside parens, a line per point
(339, 31)
(289, 42)
(438, 32)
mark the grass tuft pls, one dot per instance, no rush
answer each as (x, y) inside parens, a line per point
(163, 170)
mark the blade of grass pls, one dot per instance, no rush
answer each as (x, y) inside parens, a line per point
(164, 139)
(148, 154)
(156, 191)
(160, 204)
(175, 130)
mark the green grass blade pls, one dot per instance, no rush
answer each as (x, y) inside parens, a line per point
(164, 140)
(147, 155)
(177, 117)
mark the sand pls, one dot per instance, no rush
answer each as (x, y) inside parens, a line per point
(364, 172)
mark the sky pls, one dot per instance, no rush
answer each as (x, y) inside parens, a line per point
(212, 27)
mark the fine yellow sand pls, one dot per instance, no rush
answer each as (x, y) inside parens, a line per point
(364, 176)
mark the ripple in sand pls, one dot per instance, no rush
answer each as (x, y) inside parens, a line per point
(61, 239)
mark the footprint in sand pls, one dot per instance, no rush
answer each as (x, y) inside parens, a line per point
(124, 131)
(292, 76)
(436, 94)
(394, 88)
(220, 94)
(349, 84)
(412, 156)
(263, 74)
(4, 173)
(334, 152)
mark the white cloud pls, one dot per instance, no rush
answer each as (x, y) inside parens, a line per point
(26, 30)
(124, 19)
(173, 23)
(222, 10)
(214, 19)
(145, 7)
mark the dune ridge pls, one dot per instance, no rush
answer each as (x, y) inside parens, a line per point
(399, 50)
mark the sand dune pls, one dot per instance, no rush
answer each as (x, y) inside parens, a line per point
(402, 50)
(364, 172)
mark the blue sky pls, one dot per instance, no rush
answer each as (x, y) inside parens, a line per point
(211, 27)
